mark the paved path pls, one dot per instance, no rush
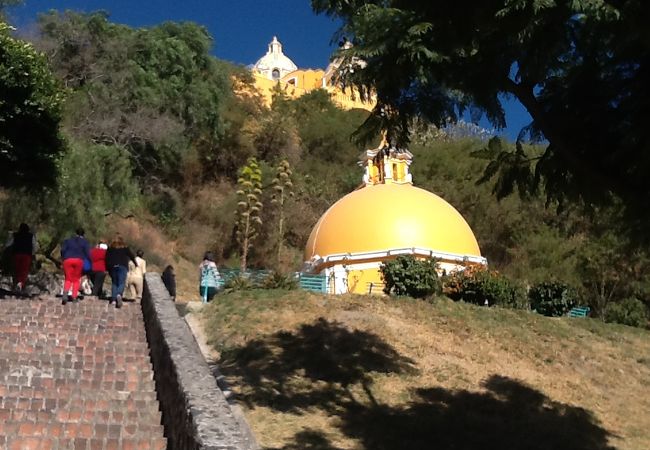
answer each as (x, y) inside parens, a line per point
(75, 377)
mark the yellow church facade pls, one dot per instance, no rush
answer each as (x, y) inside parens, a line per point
(275, 68)
(385, 218)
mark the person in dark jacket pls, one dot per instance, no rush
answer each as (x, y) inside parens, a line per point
(74, 251)
(22, 245)
(169, 280)
(117, 263)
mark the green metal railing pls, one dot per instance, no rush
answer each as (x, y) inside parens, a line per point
(579, 311)
(256, 277)
(315, 283)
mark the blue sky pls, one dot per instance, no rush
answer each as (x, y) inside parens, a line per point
(241, 29)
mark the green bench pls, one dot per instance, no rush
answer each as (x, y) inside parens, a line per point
(315, 283)
(579, 311)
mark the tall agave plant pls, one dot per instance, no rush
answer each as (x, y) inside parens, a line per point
(282, 189)
(249, 206)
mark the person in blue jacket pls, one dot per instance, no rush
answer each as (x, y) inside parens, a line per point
(74, 251)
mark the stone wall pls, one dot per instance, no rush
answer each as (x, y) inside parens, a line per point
(195, 412)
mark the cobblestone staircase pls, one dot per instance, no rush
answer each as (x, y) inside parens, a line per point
(76, 377)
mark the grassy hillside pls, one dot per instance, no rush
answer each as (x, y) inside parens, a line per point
(353, 372)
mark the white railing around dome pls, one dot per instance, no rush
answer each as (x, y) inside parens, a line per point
(424, 252)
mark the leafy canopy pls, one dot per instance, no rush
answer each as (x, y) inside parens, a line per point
(30, 110)
(579, 67)
(155, 91)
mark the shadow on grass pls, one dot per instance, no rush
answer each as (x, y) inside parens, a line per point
(322, 365)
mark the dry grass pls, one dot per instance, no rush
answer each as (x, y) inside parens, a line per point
(160, 250)
(351, 372)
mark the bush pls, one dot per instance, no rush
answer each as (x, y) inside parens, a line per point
(481, 286)
(553, 299)
(630, 311)
(238, 283)
(406, 275)
(278, 280)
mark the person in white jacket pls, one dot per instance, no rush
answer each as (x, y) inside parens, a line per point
(135, 277)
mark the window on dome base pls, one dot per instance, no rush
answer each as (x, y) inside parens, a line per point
(275, 74)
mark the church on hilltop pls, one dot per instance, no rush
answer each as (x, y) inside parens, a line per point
(276, 68)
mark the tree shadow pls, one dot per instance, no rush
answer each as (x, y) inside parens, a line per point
(507, 415)
(328, 359)
(307, 440)
(322, 365)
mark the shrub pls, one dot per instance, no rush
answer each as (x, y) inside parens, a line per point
(278, 280)
(631, 311)
(553, 299)
(406, 275)
(482, 286)
(238, 283)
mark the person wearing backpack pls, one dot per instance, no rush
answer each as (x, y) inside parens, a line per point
(209, 277)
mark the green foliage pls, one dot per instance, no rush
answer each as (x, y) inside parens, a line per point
(30, 109)
(94, 181)
(631, 311)
(407, 275)
(154, 91)
(278, 280)
(579, 68)
(248, 220)
(552, 299)
(485, 287)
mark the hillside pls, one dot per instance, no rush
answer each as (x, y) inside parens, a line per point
(352, 372)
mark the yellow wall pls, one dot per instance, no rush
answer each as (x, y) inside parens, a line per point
(358, 281)
(307, 80)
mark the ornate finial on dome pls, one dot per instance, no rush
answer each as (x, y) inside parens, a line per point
(275, 46)
(386, 164)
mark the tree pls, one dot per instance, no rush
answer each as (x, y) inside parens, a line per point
(155, 91)
(282, 190)
(580, 68)
(30, 108)
(248, 221)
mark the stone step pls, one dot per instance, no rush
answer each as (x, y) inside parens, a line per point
(86, 430)
(145, 415)
(50, 443)
(76, 376)
(114, 399)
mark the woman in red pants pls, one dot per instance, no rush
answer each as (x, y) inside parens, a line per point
(73, 252)
(22, 245)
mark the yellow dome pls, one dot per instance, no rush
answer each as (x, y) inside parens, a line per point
(391, 216)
